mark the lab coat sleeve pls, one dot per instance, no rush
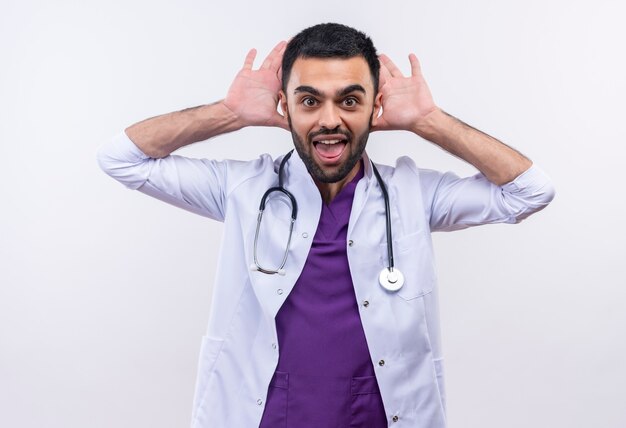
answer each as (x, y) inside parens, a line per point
(454, 203)
(196, 185)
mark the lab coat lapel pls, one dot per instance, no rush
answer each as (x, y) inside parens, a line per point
(361, 194)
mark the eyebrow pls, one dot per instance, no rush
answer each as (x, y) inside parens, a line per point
(310, 89)
(340, 93)
(349, 89)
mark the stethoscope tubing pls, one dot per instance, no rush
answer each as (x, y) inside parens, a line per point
(390, 279)
(294, 216)
(383, 189)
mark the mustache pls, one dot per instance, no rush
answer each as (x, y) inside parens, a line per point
(327, 131)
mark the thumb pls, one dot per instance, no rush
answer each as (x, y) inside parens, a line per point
(381, 125)
(279, 121)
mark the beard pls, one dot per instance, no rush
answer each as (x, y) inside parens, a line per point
(344, 169)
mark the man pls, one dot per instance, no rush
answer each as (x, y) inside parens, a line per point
(302, 333)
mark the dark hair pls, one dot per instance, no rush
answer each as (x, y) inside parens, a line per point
(330, 41)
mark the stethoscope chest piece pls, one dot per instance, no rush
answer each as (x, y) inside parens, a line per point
(391, 280)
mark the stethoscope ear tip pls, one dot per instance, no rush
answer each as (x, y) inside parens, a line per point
(281, 272)
(253, 267)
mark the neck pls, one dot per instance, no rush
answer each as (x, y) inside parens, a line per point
(330, 190)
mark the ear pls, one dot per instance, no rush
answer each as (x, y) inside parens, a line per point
(282, 99)
(378, 105)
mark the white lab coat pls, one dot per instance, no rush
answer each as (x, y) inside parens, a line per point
(240, 350)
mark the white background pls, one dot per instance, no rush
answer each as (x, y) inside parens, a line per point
(104, 292)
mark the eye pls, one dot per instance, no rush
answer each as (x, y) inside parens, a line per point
(350, 102)
(309, 101)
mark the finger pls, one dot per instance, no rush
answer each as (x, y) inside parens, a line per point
(384, 75)
(275, 57)
(388, 63)
(247, 63)
(416, 69)
(279, 75)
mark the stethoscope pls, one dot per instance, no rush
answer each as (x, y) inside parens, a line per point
(390, 278)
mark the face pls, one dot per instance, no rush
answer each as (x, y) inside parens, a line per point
(330, 105)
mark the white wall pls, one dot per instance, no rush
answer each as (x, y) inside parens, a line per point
(104, 293)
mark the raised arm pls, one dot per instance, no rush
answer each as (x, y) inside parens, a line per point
(408, 105)
(139, 157)
(251, 101)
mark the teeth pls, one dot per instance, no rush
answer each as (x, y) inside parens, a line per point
(329, 141)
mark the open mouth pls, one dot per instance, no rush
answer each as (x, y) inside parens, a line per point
(330, 147)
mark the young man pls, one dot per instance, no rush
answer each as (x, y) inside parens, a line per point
(316, 326)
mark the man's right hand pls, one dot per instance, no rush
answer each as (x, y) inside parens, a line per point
(253, 95)
(252, 100)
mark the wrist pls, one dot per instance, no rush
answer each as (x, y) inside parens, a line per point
(431, 124)
(219, 117)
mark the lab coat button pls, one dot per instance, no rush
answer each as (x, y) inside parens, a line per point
(274, 345)
(259, 401)
(366, 303)
(381, 363)
(279, 291)
(350, 243)
(305, 235)
(395, 418)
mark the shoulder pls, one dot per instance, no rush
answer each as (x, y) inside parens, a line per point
(250, 167)
(239, 172)
(406, 170)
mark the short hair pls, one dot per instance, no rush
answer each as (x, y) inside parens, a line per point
(330, 40)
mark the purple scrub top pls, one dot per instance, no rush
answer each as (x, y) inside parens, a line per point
(324, 377)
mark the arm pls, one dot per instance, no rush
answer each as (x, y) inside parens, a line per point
(408, 105)
(509, 187)
(251, 101)
(497, 161)
(140, 157)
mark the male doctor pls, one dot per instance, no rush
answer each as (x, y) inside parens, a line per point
(307, 328)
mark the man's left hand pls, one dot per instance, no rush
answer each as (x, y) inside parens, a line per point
(406, 101)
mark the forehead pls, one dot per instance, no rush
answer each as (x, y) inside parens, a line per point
(330, 74)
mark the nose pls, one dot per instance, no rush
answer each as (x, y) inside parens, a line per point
(329, 117)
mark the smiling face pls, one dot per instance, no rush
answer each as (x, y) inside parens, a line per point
(331, 106)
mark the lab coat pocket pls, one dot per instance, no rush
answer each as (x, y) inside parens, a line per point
(413, 257)
(209, 352)
(367, 406)
(275, 413)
